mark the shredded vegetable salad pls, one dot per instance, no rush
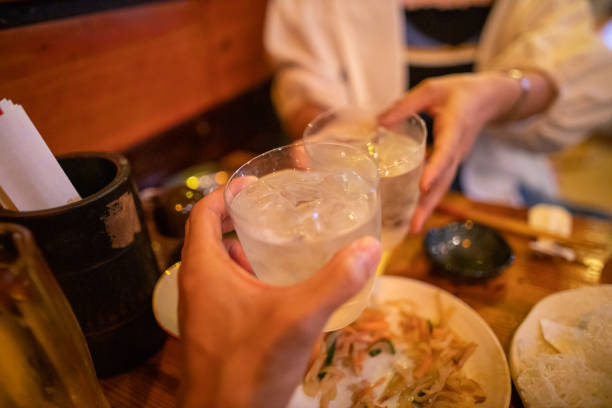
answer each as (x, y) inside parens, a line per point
(426, 369)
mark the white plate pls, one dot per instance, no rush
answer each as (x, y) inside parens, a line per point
(563, 307)
(487, 365)
(165, 300)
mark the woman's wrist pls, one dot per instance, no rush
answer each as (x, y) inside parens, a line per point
(524, 83)
(521, 94)
(494, 95)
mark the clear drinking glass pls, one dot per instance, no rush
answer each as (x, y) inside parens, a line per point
(44, 360)
(302, 203)
(399, 151)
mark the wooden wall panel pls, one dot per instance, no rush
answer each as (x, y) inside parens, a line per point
(109, 80)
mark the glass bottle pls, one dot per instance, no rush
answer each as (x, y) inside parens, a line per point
(44, 360)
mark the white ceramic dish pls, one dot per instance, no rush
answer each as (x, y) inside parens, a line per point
(487, 365)
(565, 307)
(165, 300)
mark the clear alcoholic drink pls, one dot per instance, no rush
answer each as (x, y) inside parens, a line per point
(400, 164)
(399, 152)
(291, 221)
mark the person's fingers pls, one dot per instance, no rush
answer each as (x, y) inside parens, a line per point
(301, 156)
(205, 222)
(209, 219)
(438, 164)
(236, 185)
(342, 277)
(236, 252)
(421, 98)
(431, 198)
(445, 152)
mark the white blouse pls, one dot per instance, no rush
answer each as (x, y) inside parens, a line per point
(339, 52)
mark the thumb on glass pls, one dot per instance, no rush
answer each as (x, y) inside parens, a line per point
(344, 275)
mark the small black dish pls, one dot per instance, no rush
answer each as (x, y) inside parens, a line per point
(467, 250)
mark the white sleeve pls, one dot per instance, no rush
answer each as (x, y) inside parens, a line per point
(302, 50)
(557, 37)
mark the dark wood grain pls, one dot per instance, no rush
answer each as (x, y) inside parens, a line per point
(108, 80)
(503, 302)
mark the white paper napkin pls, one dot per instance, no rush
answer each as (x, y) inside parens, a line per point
(30, 176)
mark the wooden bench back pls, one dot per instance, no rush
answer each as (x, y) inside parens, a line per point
(108, 80)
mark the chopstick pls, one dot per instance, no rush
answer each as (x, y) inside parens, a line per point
(513, 226)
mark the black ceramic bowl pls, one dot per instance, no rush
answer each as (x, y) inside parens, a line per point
(467, 250)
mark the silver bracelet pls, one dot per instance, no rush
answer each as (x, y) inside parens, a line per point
(525, 85)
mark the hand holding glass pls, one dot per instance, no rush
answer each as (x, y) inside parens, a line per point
(302, 203)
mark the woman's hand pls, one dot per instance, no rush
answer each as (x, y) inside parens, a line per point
(245, 343)
(462, 105)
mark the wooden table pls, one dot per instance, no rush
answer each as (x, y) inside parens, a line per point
(503, 302)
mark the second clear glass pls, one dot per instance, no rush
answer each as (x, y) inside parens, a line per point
(399, 151)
